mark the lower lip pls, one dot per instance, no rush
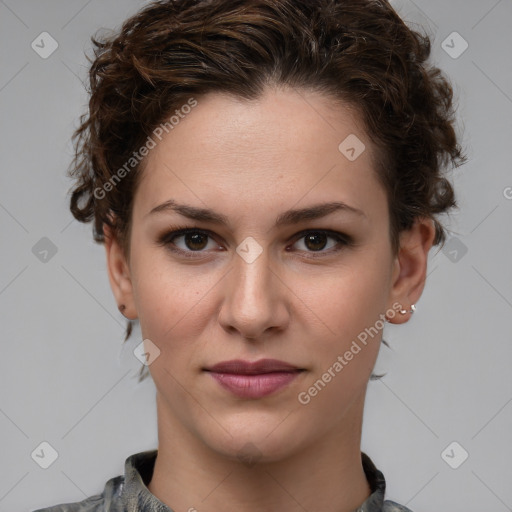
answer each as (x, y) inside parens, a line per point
(254, 386)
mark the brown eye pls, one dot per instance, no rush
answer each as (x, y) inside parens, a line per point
(315, 241)
(187, 242)
(195, 241)
(191, 241)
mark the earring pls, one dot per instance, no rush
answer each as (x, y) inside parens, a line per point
(412, 310)
(402, 312)
(121, 308)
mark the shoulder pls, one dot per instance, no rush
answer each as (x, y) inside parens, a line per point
(391, 506)
(92, 504)
(107, 501)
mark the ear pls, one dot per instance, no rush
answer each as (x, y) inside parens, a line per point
(410, 267)
(119, 274)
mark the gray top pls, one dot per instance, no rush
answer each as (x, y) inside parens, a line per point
(128, 492)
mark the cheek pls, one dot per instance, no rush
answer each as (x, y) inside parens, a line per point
(172, 301)
(346, 306)
(349, 298)
(175, 303)
(344, 359)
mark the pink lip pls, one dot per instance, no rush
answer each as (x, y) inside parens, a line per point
(242, 367)
(253, 380)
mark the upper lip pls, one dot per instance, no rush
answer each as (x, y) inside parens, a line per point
(240, 367)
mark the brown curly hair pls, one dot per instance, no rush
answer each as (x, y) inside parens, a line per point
(356, 51)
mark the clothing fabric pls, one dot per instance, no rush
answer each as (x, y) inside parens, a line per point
(128, 492)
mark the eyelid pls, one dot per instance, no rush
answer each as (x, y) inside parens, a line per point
(329, 232)
(177, 231)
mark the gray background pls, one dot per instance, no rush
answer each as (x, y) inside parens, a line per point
(68, 380)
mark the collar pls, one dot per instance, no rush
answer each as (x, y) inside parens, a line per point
(132, 492)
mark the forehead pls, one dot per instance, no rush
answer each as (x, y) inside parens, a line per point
(283, 146)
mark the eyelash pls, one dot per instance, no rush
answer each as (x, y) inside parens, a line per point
(166, 239)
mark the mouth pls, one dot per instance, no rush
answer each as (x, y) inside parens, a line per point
(263, 366)
(254, 379)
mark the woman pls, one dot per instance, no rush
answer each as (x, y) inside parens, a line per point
(265, 176)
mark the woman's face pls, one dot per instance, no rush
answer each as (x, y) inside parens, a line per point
(271, 282)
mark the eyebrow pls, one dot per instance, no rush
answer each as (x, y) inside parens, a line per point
(288, 217)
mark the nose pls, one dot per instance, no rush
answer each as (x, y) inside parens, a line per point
(255, 299)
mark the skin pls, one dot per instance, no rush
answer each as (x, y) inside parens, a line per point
(251, 161)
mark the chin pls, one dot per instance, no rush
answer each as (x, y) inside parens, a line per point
(255, 440)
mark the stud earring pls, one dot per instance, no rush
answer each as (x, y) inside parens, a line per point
(412, 310)
(402, 312)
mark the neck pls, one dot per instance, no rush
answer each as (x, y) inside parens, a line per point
(327, 475)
